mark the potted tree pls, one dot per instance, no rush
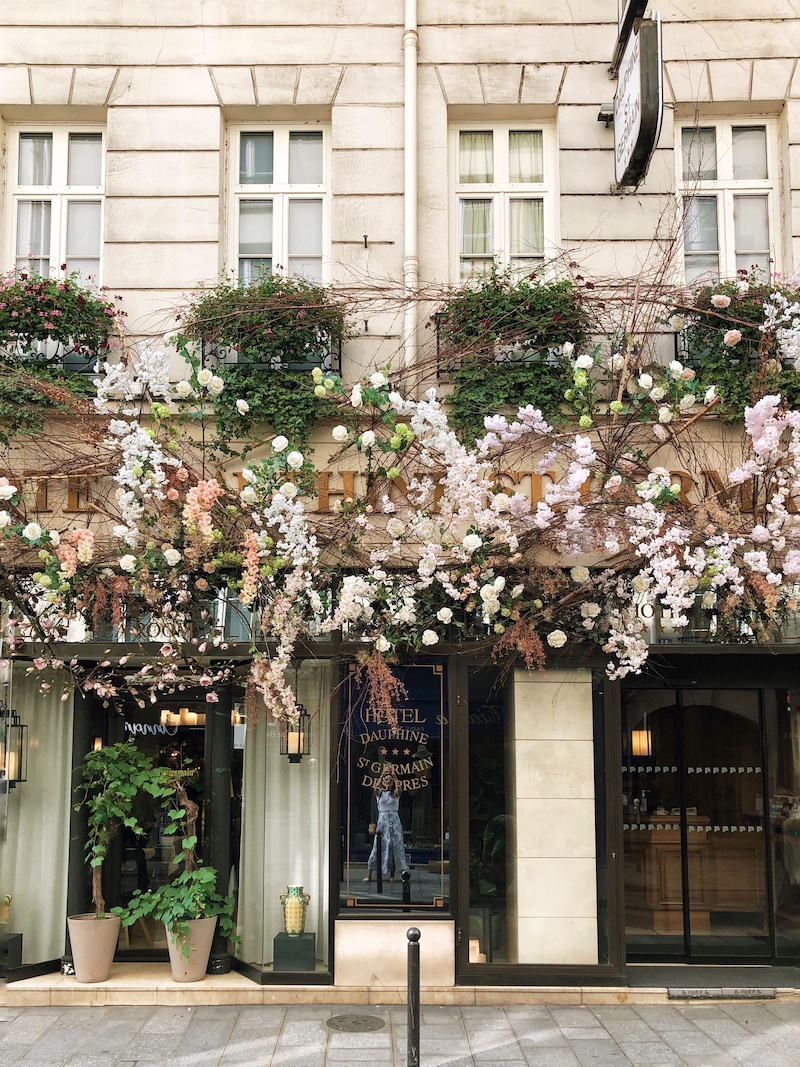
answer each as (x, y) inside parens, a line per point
(190, 905)
(111, 778)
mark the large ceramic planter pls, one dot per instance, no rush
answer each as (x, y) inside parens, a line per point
(94, 942)
(200, 937)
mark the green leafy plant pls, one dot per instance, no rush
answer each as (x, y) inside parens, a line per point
(111, 779)
(501, 341)
(748, 368)
(193, 893)
(261, 340)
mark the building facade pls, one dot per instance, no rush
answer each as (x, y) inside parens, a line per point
(557, 824)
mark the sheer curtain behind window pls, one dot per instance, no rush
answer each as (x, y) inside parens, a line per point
(526, 156)
(33, 855)
(285, 825)
(475, 157)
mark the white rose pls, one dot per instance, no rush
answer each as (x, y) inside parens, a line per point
(579, 575)
(368, 439)
(617, 362)
(378, 380)
(676, 368)
(382, 645)
(517, 591)
(340, 433)
(708, 601)
(444, 615)
(500, 583)
(645, 382)
(295, 460)
(584, 363)
(355, 397)
(557, 639)
(248, 495)
(657, 393)
(279, 443)
(394, 527)
(55, 538)
(32, 531)
(127, 563)
(172, 556)
(215, 386)
(430, 637)
(204, 377)
(501, 502)
(590, 610)
(686, 403)
(568, 348)
(7, 491)
(472, 542)
(664, 415)
(242, 407)
(710, 394)
(184, 389)
(5, 519)
(119, 530)
(289, 490)
(677, 322)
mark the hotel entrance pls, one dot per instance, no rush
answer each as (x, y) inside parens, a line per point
(711, 824)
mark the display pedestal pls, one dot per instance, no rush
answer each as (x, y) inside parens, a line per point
(10, 952)
(294, 952)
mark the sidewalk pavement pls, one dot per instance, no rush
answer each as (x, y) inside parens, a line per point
(732, 1034)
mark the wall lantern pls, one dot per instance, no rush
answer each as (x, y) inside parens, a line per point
(296, 736)
(13, 747)
(642, 742)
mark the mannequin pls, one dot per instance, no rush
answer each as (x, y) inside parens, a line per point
(387, 795)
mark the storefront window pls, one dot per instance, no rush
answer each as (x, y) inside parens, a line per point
(395, 839)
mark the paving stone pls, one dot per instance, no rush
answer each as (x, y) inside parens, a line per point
(661, 1017)
(573, 1017)
(352, 1040)
(585, 1033)
(631, 1031)
(359, 1055)
(303, 1033)
(552, 1057)
(649, 1052)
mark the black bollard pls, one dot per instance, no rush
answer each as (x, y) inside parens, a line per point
(413, 936)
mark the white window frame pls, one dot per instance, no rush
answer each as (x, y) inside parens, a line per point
(58, 192)
(501, 191)
(725, 187)
(280, 192)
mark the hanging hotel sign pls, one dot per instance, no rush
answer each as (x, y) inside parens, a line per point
(639, 103)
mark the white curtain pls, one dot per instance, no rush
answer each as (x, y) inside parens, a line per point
(527, 227)
(33, 853)
(526, 156)
(475, 156)
(285, 810)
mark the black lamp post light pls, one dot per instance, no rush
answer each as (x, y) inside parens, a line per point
(296, 736)
(13, 747)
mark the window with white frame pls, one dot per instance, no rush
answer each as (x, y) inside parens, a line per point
(280, 201)
(504, 197)
(728, 183)
(55, 179)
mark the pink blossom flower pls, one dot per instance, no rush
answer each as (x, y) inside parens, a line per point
(719, 300)
(732, 337)
(212, 698)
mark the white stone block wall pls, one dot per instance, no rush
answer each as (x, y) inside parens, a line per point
(553, 909)
(168, 79)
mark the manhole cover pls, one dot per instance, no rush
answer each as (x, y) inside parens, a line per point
(356, 1024)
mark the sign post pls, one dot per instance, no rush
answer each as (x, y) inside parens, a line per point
(638, 104)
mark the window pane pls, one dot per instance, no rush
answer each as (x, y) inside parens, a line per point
(255, 227)
(250, 269)
(85, 165)
(700, 231)
(526, 156)
(33, 228)
(88, 269)
(305, 158)
(527, 227)
(476, 228)
(83, 228)
(255, 159)
(475, 156)
(35, 158)
(699, 154)
(701, 268)
(749, 152)
(305, 227)
(308, 267)
(750, 223)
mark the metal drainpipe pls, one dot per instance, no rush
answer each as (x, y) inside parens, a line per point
(410, 150)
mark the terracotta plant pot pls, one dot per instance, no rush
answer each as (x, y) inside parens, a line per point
(94, 942)
(201, 935)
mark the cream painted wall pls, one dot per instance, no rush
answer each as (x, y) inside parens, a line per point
(551, 750)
